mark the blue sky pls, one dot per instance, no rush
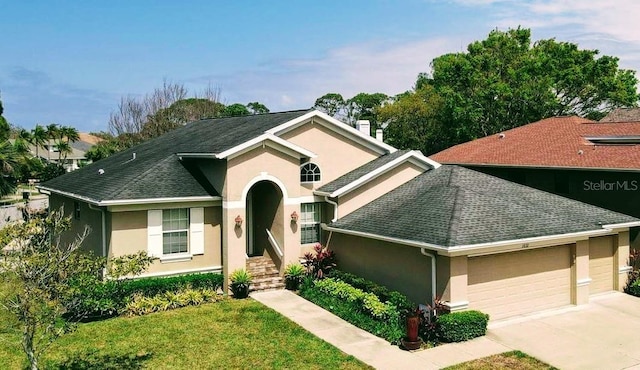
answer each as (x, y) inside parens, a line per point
(70, 62)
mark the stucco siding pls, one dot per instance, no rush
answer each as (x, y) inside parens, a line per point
(336, 154)
(395, 266)
(88, 218)
(129, 235)
(377, 187)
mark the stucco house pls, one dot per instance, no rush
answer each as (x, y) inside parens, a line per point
(221, 194)
(593, 162)
(71, 161)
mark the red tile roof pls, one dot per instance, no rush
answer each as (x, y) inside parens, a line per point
(551, 142)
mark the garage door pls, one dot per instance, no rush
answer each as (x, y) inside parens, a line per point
(601, 264)
(517, 283)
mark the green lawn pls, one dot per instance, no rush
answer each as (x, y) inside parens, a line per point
(228, 334)
(514, 360)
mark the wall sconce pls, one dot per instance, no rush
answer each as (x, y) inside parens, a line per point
(238, 221)
(294, 216)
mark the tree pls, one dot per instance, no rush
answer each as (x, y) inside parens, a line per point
(413, 120)
(257, 108)
(37, 271)
(363, 107)
(180, 113)
(40, 278)
(40, 137)
(5, 128)
(505, 81)
(53, 132)
(22, 141)
(330, 103)
(235, 110)
(69, 134)
(64, 149)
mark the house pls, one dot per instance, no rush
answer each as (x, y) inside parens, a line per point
(70, 161)
(593, 162)
(220, 194)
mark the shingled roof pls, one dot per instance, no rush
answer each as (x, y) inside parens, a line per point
(152, 169)
(454, 206)
(551, 142)
(622, 115)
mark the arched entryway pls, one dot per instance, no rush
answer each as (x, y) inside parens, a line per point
(265, 215)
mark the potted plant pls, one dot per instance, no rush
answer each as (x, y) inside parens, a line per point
(412, 341)
(293, 275)
(240, 282)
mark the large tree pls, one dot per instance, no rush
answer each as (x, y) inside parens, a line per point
(506, 81)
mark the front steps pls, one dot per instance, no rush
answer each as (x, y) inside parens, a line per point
(265, 274)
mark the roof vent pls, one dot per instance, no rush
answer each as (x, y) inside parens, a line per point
(100, 171)
(580, 152)
(501, 136)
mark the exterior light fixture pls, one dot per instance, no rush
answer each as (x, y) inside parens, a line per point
(238, 221)
(294, 216)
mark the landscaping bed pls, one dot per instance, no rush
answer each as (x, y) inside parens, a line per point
(514, 360)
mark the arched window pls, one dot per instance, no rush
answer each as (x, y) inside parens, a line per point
(309, 172)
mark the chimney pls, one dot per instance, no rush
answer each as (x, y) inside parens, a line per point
(363, 126)
(379, 134)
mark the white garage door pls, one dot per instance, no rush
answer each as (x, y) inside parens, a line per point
(517, 283)
(601, 264)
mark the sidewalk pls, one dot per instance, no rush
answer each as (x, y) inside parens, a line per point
(367, 347)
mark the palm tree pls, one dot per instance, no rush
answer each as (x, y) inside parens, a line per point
(70, 133)
(8, 161)
(64, 149)
(52, 134)
(40, 137)
(23, 139)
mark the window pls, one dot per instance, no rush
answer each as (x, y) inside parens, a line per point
(309, 172)
(175, 231)
(76, 210)
(309, 223)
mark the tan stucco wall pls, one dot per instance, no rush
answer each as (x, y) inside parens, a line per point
(244, 171)
(395, 266)
(336, 154)
(377, 187)
(129, 235)
(88, 217)
(622, 247)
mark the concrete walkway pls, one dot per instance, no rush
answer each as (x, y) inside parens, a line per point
(367, 347)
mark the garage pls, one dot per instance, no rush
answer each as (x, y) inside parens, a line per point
(601, 264)
(517, 283)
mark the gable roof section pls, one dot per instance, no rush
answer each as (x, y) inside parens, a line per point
(156, 172)
(552, 142)
(453, 207)
(337, 126)
(369, 171)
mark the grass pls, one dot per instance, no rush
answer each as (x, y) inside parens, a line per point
(514, 360)
(228, 334)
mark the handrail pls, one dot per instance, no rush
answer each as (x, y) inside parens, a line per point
(274, 244)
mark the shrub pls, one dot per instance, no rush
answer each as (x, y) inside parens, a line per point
(368, 301)
(141, 305)
(293, 275)
(319, 263)
(633, 281)
(383, 293)
(240, 281)
(461, 326)
(390, 330)
(108, 298)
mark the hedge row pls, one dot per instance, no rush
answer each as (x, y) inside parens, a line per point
(461, 326)
(368, 301)
(383, 293)
(390, 330)
(109, 298)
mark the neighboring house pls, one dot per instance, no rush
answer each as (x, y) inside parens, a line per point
(75, 159)
(217, 194)
(593, 162)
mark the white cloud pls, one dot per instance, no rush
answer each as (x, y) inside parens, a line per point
(389, 68)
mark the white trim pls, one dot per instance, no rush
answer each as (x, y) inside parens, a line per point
(414, 157)
(622, 225)
(274, 244)
(583, 282)
(217, 269)
(624, 269)
(130, 201)
(334, 125)
(457, 306)
(473, 250)
(262, 139)
(313, 181)
(176, 257)
(541, 166)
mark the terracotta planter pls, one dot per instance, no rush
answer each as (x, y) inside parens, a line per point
(412, 341)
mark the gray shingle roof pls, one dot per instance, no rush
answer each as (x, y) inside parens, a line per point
(452, 205)
(157, 172)
(622, 115)
(352, 176)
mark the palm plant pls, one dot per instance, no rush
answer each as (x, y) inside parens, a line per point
(53, 133)
(8, 161)
(40, 136)
(69, 133)
(64, 149)
(22, 141)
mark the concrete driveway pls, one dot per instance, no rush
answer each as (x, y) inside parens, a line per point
(605, 334)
